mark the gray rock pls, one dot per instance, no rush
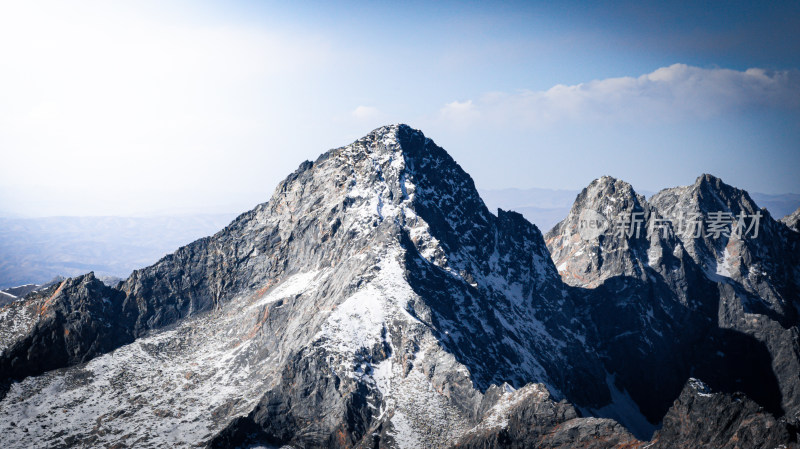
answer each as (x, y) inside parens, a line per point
(415, 285)
(374, 301)
(792, 220)
(667, 305)
(701, 418)
(530, 418)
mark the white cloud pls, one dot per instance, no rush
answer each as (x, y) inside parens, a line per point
(459, 112)
(676, 92)
(365, 112)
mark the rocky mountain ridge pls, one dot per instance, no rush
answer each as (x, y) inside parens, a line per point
(720, 307)
(374, 301)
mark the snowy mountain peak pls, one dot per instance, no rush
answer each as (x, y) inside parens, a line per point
(374, 274)
(374, 301)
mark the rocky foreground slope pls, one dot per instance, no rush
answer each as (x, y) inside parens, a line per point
(374, 301)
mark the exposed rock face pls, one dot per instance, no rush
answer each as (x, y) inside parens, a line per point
(374, 285)
(374, 301)
(792, 220)
(585, 258)
(63, 325)
(703, 419)
(669, 304)
(757, 276)
(699, 418)
(760, 264)
(634, 292)
(530, 418)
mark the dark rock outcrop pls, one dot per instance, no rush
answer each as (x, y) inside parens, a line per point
(73, 321)
(698, 418)
(703, 419)
(530, 418)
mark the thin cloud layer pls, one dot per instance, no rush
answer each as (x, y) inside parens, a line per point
(365, 112)
(670, 93)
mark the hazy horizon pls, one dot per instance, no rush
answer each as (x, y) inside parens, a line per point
(507, 198)
(243, 204)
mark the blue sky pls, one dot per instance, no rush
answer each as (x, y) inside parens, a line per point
(111, 108)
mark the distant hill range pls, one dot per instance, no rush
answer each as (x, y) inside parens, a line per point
(35, 250)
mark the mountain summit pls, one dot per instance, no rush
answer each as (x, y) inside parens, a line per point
(696, 282)
(374, 301)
